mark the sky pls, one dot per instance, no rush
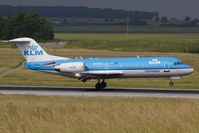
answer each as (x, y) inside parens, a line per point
(170, 8)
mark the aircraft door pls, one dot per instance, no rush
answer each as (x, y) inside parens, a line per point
(106, 66)
(166, 67)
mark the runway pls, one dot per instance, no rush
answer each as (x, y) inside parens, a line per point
(91, 92)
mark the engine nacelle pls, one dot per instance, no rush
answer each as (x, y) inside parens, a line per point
(70, 67)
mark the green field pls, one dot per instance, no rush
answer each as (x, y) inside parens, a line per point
(133, 42)
(167, 43)
(54, 114)
(122, 29)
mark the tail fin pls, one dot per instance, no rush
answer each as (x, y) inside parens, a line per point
(31, 50)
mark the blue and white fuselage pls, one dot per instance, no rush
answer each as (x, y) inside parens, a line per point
(122, 67)
(103, 68)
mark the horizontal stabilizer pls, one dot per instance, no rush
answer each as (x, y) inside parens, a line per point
(20, 40)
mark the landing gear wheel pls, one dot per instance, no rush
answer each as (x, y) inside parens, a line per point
(101, 85)
(171, 83)
(98, 86)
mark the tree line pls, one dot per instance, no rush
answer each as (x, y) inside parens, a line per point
(76, 12)
(26, 25)
(136, 18)
(158, 21)
(186, 22)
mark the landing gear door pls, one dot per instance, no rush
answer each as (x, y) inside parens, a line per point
(166, 67)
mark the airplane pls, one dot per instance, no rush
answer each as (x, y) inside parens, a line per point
(100, 68)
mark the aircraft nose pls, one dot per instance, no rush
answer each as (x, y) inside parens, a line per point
(190, 70)
(186, 71)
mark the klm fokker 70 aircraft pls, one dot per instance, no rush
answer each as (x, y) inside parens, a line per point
(100, 69)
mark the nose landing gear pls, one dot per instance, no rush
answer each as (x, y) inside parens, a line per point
(101, 85)
(173, 78)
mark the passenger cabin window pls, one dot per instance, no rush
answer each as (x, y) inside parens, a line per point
(178, 63)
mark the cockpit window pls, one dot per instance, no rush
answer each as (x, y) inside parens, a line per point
(178, 63)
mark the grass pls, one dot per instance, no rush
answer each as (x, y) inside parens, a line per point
(122, 29)
(133, 42)
(123, 37)
(44, 114)
(8, 62)
(6, 45)
(167, 43)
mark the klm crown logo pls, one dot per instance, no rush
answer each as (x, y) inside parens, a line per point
(33, 47)
(32, 51)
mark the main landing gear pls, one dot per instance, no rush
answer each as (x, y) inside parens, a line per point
(101, 85)
(171, 83)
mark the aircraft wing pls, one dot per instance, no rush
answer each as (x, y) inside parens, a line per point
(105, 72)
(102, 74)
